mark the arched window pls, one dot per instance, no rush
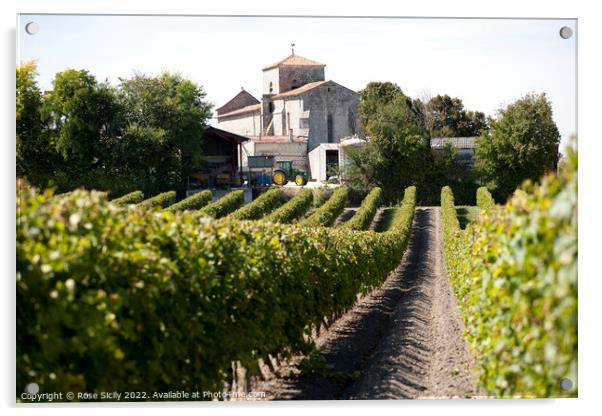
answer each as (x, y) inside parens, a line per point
(295, 84)
(330, 128)
(351, 117)
(271, 107)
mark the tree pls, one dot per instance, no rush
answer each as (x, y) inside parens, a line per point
(398, 153)
(522, 144)
(84, 115)
(176, 106)
(36, 157)
(448, 118)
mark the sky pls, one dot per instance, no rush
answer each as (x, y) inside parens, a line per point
(488, 63)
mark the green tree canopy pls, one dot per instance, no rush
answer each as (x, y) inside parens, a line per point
(448, 118)
(176, 106)
(522, 144)
(35, 156)
(145, 134)
(398, 153)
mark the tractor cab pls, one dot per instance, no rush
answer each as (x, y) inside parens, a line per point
(286, 166)
(285, 172)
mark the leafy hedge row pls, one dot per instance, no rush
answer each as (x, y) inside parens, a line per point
(161, 200)
(132, 198)
(293, 209)
(264, 204)
(484, 199)
(223, 206)
(139, 300)
(326, 215)
(515, 275)
(365, 214)
(194, 201)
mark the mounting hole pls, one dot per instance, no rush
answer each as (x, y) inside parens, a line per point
(32, 28)
(32, 388)
(566, 384)
(566, 32)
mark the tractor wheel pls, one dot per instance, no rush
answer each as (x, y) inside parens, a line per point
(279, 178)
(300, 180)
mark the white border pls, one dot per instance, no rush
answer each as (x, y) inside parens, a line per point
(589, 70)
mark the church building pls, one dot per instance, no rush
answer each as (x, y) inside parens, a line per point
(301, 116)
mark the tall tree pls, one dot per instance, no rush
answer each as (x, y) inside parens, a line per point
(84, 115)
(522, 144)
(449, 118)
(36, 156)
(176, 106)
(398, 152)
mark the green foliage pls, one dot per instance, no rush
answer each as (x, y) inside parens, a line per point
(365, 213)
(447, 117)
(515, 275)
(131, 198)
(398, 153)
(36, 158)
(261, 206)
(522, 144)
(110, 298)
(194, 201)
(223, 206)
(145, 134)
(293, 209)
(484, 199)
(327, 214)
(176, 107)
(162, 200)
(321, 195)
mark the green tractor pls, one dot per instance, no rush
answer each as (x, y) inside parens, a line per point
(285, 172)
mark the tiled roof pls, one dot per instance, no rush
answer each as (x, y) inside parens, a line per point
(301, 89)
(247, 109)
(294, 60)
(243, 97)
(278, 139)
(457, 142)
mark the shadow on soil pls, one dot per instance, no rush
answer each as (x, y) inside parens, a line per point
(466, 215)
(331, 372)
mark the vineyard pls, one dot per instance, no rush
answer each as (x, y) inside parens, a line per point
(154, 294)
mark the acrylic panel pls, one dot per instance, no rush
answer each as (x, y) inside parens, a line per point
(295, 208)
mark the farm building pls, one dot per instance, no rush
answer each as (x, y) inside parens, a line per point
(465, 147)
(299, 111)
(222, 153)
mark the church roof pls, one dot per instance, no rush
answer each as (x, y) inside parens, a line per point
(240, 100)
(248, 109)
(304, 88)
(294, 60)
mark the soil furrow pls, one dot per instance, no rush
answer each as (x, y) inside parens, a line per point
(402, 341)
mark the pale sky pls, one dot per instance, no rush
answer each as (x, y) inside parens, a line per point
(488, 63)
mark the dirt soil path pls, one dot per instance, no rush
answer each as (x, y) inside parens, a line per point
(402, 341)
(345, 216)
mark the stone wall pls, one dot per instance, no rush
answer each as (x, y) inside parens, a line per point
(247, 124)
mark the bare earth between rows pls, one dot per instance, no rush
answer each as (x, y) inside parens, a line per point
(402, 341)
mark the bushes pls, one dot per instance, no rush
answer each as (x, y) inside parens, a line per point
(223, 206)
(515, 275)
(365, 213)
(194, 201)
(161, 200)
(293, 209)
(265, 203)
(326, 215)
(132, 198)
(484, 199)
(138, 300)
